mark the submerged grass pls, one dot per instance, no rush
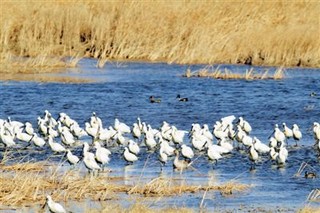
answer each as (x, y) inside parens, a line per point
(284, 33)
(28, 183)
(249, 74)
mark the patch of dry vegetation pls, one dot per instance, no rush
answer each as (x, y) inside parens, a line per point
(284, 33)
(138, 207)
(169, 187)
(308, 209)
(249, 74)
(29, 183)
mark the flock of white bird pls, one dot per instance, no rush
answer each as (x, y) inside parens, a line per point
(64, 133)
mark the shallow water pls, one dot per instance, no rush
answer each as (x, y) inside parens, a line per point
(122, 91)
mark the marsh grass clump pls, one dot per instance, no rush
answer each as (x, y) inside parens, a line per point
(227, 74)
(170, 187)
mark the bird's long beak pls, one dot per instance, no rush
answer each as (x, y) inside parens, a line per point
(271, 134)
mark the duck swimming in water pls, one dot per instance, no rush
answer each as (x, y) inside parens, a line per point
(152, 99)
(182, 99)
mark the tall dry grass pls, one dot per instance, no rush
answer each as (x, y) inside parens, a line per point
(278, 32)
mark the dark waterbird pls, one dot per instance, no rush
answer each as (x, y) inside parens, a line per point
(152, 99)
(182, 99)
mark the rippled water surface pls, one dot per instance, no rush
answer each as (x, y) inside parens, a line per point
(122, 90)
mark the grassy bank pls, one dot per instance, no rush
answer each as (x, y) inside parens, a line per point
(280, 32)
(27, 184)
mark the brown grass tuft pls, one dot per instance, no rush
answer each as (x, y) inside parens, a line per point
(169, 187)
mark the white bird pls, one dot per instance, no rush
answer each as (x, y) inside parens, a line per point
(67, 138)
(247, 140)
(199, 141)
(28, 128)
(89, 159)
(169, 150)
(206, 132)
(187, 152)
(163, 157)
(273, 153)
(72, 159)
(219, 131)
(55, 147)
(122, 127)
(213, 154)
(38, 141)
(282, 156)
(253, 156)
(91, 131)
(54, 207)
(22, 136)
(77, 131)
(316, 131)
(260, 147)
(133, 147)
(106, 134)
(297, 135)
(128, 156)
(102, 154)
(95, 121)
(136, 131)
(177, 135)
(150, 141)
(6, 139)
(245, 125)
(273, 142)
(278, 134)
(225, 144)
(287, 131)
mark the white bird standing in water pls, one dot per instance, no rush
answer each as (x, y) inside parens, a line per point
(316, 132)
(55, 147)
(287, 131)
(38, 141)
(6, 139)
(121, 127)
(282, 156)
(95, 121)
(213, 154)
(128, 156)
(297, 135)
(278, 134)
(72, 159)
(28, 128)
(177, 135)
(260, 147)
(54, 207)
(253, 156)
(89, 159)
(245, 125)
(187, 152)
(136, 132)
(102, 154)
(133, 147)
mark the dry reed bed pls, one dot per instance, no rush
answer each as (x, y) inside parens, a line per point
(262, 33)
(28, 184)
(249, 74)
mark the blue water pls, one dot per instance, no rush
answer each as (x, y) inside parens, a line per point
(121, 91)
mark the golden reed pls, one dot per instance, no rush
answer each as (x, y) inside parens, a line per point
(280, 32)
